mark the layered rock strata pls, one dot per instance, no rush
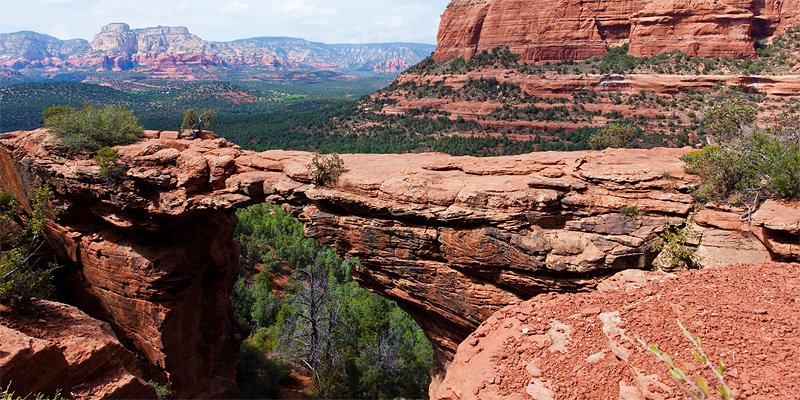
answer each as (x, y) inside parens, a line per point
(160, 279)
(451, 239)
(560, 30)
(555, 85)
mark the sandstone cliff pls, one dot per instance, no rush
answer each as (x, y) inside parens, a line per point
(561, 30)
(451, 239)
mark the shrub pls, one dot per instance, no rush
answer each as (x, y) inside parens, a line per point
(629, 211)
(675, 248)
(751, 165)
(162, 391)
(20, 242)
(614, 135)
(726, 120)
(5, 394)
(325, 170)
(257, 375)
(92, 128)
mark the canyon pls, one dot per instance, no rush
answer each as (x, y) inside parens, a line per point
(529, 274)
(560, 30)
(451, 239)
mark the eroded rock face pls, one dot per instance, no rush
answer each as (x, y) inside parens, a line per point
(61, 348)
(451, 239)
(160, 279)
(560, 30)
(582, 346)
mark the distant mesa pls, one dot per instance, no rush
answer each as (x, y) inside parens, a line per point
(174, 50)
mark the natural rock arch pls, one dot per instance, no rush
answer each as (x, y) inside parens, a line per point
(450, 239)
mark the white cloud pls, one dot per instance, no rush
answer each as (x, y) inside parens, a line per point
(235, 8)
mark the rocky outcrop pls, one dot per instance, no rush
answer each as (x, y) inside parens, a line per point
(58, 347)
(115, 40)
(703, 28)
(584, 346)
(161, 280)
(561, 30)
(451, 239)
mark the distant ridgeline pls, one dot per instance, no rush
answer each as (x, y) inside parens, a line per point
(173, 52)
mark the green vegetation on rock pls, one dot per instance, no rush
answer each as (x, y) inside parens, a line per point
(747, 163)
(614, 135)
(325, 170)
(23, 272)
(92, 128)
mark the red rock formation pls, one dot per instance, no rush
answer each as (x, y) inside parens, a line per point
(584, 346)
(563, 29)
(160, 279)
(392, 66)
(704, 28)
(179, 54)
(551, 85)
(451, 239)
(61, 348)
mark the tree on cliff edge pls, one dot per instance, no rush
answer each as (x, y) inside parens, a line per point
(197, 122)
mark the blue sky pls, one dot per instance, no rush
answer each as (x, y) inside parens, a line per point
(341, 21)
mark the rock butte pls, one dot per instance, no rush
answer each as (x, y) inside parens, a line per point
(450, 239)
(563, 29)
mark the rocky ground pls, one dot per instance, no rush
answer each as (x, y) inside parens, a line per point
(584, 346)
(55, 346)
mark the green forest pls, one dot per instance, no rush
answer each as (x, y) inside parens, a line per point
(307, 315)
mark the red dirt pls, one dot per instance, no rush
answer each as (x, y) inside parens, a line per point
(296, 389)
(748, 316)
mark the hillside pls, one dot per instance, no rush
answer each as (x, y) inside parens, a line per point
(173, 52)
(495, 103)
(21, 105)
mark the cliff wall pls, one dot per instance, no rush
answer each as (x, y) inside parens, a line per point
(566, 29)
(451, 239)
